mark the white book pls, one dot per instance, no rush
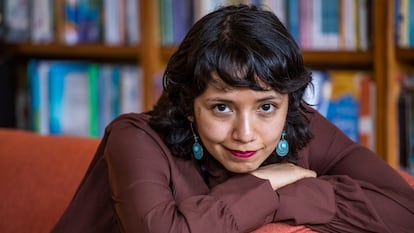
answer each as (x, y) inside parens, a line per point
(16, 20)
(363, 25)
(42, 21)
(131, 89)
(348, 24)
(114, 22)
(133, 21)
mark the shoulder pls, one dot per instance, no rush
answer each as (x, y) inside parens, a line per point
(328, 145)
(320, 126)
(133, 131)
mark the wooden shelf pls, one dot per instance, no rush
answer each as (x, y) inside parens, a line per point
(86, 51)
(330, 59)
(322, 59)
(405, 54)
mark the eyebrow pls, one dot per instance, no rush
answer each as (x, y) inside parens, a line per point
(266, 98)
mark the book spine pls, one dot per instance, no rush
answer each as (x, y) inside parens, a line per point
(305, 23)
(293, 19)
(93, 72)
(42, 22)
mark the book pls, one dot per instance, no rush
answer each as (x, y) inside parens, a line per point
(343, 110)
(406, 123)
(306, 24)
(114, 22)
(326, 24)
(166, 22)
(89, 21)
(92, 91)
(133, 22)
(182, 19)
(41, 23)
(348, 25)
(16, 20)
(38, 79)
(366, 123)
(292, 19)
(410, 26)
(363, 24)
(2, 17)
(131, 92)
(69, 105)
(108, 95)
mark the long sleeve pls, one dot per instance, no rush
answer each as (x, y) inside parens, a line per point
(355, 190)
(152, 192)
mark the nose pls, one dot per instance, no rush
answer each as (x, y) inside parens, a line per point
(243, 129)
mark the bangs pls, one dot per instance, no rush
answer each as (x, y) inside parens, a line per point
(256, 68)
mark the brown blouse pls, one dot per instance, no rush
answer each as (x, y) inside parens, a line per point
(134, 184)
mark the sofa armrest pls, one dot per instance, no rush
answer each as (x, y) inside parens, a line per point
(39, 176)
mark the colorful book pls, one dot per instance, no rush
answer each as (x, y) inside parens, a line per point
(89, 21)
(109, 95)
(306, 24)
(366, 101)
(38, 73)
(92, 91)
(292, 21)
(182, 19)
(69, 106)
(326, 24)
(343, 110)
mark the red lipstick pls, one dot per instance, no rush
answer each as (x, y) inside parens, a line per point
(242, 154)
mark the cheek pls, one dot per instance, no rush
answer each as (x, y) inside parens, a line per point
(271, 131)
(212, 131)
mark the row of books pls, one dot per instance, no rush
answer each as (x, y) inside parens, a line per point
(80, 98)
(347, 99)
(406, 122)
(113, 22)
(404, 20)
(315, 24)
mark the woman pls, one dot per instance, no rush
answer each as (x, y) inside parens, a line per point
(231, 146)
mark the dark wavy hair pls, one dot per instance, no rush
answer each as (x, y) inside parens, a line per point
(247, 47)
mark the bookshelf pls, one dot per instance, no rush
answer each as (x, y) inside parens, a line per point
(382, 60)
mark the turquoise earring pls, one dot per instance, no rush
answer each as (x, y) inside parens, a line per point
(282, 148)
(197, 148)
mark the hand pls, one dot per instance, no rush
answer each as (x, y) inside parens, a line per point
(282, 174)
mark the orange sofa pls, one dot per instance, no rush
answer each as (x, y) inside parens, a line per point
(40, 174)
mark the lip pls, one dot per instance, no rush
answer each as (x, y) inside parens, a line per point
(242, 154)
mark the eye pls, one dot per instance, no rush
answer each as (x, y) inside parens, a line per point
(221, 108)
(267, 108)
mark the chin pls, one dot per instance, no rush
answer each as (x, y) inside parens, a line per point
(242, 168)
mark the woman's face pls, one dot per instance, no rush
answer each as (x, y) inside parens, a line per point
(240, 127)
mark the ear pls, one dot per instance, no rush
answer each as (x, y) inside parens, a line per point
(190, 118)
